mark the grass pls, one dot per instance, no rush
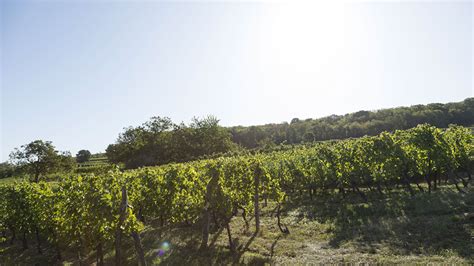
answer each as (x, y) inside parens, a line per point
(10, 180)
(395, 228)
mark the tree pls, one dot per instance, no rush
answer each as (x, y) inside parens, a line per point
(40, 158)
(309, 137)
(160, 141)
(83, 156)
(6, 170)
(65, 162)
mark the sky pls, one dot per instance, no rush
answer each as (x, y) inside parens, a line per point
(77, 72)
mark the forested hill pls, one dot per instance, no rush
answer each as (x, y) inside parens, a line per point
(355, 124)
(161, 141)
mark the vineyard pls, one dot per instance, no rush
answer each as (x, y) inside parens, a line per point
(98, 164)
(94, 161)
(98, 212)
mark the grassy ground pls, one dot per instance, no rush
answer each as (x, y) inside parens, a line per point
(12, 179)
(396, 228)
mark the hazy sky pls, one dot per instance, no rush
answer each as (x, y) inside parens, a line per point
(77, 72)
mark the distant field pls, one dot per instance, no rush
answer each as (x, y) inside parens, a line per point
(94, 161)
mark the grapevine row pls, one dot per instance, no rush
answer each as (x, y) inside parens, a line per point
(87, 212)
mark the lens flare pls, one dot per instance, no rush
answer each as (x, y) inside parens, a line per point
(164, 248)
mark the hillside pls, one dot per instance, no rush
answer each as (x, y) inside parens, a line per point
(161, 141)
(354, 125)
(399, 197)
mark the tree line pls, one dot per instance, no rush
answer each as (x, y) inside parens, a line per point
(160, 141)
(354, 125)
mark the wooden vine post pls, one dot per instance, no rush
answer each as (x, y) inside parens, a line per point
(206, 216)
(119, 233)
(256, 177)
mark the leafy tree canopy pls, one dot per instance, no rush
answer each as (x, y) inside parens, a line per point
(83, 156)
(160, 141)
(40, 158)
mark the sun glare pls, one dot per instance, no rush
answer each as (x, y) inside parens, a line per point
(306, 46)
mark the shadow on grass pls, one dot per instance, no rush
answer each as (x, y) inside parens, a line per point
(422, 224)
(188, 252)
(272, 248)
(184, 247)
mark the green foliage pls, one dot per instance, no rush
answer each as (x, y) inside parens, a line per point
(83, 156)
(355, 125)
(160, 141)
(40, 158)
(94, 168)
(83, 210)
(6, 170)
